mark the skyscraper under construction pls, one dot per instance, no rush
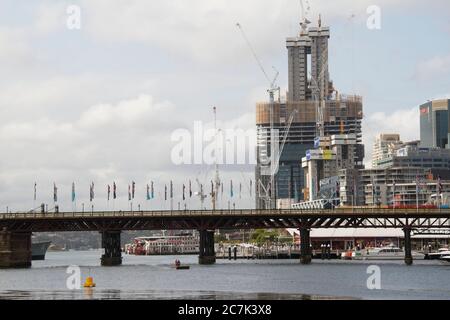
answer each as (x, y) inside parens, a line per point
(312, 107)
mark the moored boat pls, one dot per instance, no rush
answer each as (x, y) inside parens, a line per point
(437, 254)
(39, 249)
(384, 253)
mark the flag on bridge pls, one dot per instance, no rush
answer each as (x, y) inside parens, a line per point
(184, 190)
(35, 185)
(240, 190)
(114, 190)
(231, 188)
(190, 189)
(129, 193)
(133, 189)
(152, 190)
(212, 188)
(55, 193)
(165, 192)
(73, 191)
(148, 192)
(251, 187)
(171, 189)
(91, 192)
(109, 191)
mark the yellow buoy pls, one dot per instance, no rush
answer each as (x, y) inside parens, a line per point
(89, 283)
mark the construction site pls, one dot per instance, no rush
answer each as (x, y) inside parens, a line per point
(313, 120)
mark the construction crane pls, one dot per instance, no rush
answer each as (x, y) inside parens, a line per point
(304, 20)
(268, 191)
(273, 88)
(202, 196)
(272, 83)
(288, 127)
(217, 182)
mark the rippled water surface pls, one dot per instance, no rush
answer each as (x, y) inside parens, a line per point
(153, 277)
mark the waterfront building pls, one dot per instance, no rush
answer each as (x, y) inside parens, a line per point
(420, 192)
(435, 160)
(384, 148)
(333, 154)
(434, 124)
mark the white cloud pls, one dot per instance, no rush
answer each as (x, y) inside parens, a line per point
(14, 49)
(50, 17)
(436, 67)
(65, 106)
(205, 30)
(124, 141)
(404, 122)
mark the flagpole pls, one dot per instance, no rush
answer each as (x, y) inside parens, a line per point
(34, 197)
(417, 194)
(393, 195)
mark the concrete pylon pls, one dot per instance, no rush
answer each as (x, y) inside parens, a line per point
(15, 249)
(207, 253)
(113, 252)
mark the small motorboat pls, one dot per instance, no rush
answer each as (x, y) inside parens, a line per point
(178, 265)
(446, 258)
(182, 267)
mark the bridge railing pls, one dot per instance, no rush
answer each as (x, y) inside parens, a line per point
(237, 212)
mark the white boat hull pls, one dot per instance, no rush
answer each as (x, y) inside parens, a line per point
(383, 257)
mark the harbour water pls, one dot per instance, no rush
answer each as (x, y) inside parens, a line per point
(153, 277)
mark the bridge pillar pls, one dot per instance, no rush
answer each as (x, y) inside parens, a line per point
(305, 246)
(408, 255)
(111, 244)
(15, 249)
(207, 252)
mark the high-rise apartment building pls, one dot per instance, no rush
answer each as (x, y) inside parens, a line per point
(434, 124)
(308, 85)
(384, 148)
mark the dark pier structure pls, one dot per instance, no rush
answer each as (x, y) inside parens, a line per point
(16, 228)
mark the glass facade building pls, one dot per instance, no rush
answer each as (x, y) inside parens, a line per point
(434, 124)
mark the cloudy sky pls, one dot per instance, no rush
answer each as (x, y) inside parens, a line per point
(100, 103)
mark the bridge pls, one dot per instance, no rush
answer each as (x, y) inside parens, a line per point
(16, 228)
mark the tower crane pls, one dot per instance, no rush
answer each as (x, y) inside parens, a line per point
(201, 194)
(215, 192)
(304, 20)
(267, 196)
(273, 88)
